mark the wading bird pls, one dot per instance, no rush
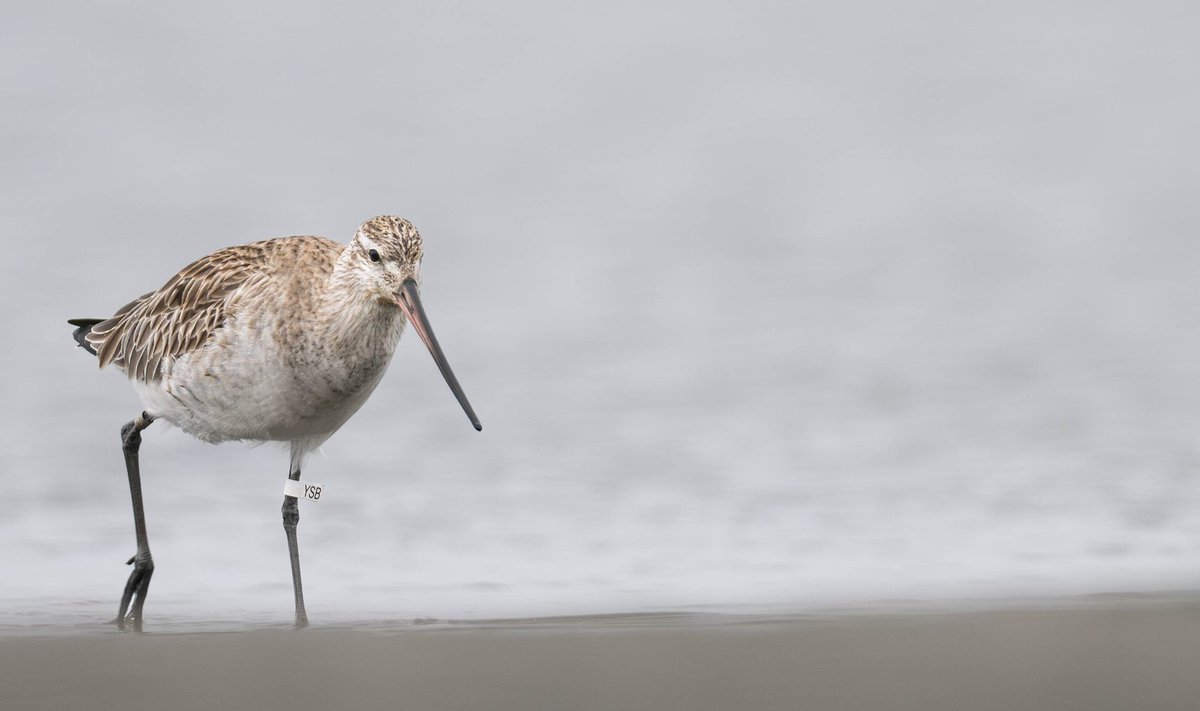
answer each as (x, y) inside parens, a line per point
(280, 340)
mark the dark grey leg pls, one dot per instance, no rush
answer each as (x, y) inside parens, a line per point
(291, 517)
(143, 564)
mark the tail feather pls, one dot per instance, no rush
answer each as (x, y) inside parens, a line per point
(85, 327)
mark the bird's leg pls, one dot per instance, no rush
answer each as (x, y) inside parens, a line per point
(143, 563)
(291, 517)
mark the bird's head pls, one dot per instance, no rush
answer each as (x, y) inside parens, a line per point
(386, 253)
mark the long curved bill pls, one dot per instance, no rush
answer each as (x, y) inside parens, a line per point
(409, 301)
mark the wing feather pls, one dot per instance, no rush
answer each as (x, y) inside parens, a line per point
(180, 317)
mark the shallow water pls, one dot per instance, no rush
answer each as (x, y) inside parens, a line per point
(792, 323)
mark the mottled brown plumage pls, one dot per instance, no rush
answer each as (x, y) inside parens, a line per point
(183, 314)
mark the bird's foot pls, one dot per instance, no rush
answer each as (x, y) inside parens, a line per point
(130, 615)
(127, 622)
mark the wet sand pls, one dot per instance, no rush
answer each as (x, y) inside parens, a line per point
(1114, 657)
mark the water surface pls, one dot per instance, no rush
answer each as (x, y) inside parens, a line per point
(758, 305)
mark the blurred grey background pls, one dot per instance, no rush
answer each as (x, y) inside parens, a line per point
(760, 303)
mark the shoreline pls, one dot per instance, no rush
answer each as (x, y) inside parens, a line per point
(1135, 652)
(91, 618)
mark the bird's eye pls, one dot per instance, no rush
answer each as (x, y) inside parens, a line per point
(374, 255)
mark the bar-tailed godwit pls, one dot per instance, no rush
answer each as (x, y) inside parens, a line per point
(280, 340)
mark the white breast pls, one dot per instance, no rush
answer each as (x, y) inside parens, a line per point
(261, 379)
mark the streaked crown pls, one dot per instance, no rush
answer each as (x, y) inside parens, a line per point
(394, 237)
